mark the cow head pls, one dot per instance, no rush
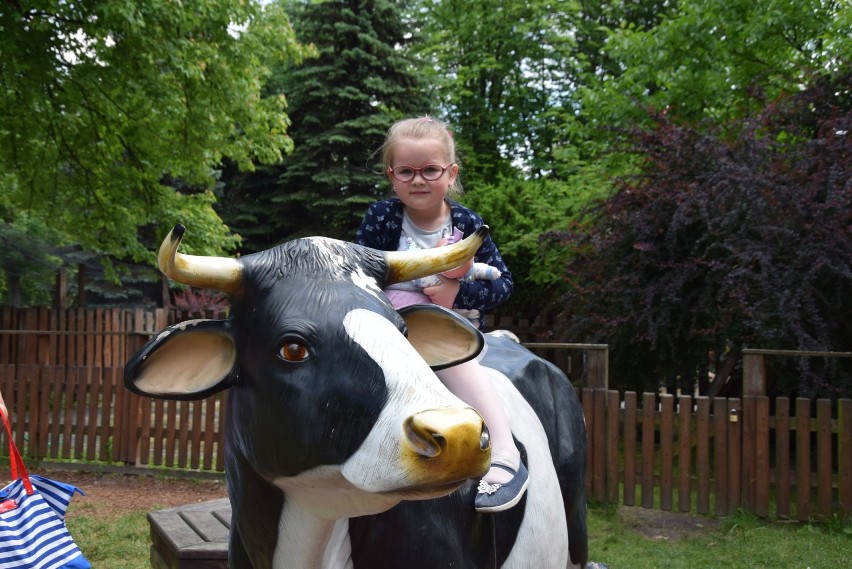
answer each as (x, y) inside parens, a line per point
(329, 385)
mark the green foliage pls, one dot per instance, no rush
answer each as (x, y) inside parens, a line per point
(722, 243)
(27, 261)
(523, 216)
(341, 103)
(502, 74)
(715, 60)
(105, 106)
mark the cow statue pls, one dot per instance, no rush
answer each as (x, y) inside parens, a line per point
(342, 447)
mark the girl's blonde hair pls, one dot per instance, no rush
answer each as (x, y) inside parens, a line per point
(419, 128)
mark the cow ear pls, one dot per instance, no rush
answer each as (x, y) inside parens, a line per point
(442, 337)
(188, 361)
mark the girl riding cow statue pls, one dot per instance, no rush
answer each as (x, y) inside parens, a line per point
(343, 449)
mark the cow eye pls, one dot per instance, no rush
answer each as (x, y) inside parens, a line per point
(293, 351)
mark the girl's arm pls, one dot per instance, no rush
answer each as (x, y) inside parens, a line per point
(483, 294)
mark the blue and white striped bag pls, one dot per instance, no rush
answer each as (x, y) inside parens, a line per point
(32, 520)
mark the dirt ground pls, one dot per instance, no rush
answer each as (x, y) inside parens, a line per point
(112, 495)
(660, 525)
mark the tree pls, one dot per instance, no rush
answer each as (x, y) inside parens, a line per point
(502, 76)
(725, 242)
(341, 103)
(115, 115)
(715, 60)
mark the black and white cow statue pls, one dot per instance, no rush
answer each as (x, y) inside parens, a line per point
(342, 447)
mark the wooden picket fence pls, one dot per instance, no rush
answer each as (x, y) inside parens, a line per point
(85, 415)
(61, 375)
(715, 456)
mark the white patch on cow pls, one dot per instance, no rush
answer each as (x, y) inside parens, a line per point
(412, 387)
(327, 494)
(544, 518)
(307, 542)
(313, 529)
(367, 283)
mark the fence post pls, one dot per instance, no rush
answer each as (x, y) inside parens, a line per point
(598, 362)
(844, 453)
(754, 374)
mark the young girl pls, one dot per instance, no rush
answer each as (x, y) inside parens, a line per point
(420, 161)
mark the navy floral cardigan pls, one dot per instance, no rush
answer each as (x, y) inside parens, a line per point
(382, 228)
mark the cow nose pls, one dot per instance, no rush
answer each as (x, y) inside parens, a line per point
(437, 431)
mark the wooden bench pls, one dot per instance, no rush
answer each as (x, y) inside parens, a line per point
(191, 537)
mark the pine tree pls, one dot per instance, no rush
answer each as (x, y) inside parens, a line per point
(341, 104)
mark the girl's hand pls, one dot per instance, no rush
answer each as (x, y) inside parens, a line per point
(443, 294)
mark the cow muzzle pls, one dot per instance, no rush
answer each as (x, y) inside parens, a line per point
(447, 445)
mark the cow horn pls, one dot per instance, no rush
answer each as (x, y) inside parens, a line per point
(214, 273)
(409, 265)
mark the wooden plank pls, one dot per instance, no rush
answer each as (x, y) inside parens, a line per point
(43, 341)
(761, 456)
(844, 458)
(98, 339)
(749, 478)
(32, 413)
(599, 442)
(144, 457)
(702, 454)
(648, 435)
(207, 526)
(630, 448)
(90, 339)
(666, 451)
(22, 381)
(734, 439)
(80, 344)
(588, 397)
(109, 328)
(684, 459)
(183, 433)
(93, 383)
(7, 341)
(171, 431)
(824, 468)
(7, 379)
(57, 402)
(80, 411)
(105, 424)
(782, 457)
(62, 341)
(70, 339)
(612, 431)
(803, 459)
(42, 429)
(195, 435)
(191, 537)
(159, 432)
(209, 428)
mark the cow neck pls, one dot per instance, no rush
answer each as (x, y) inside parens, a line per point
(309, 542)
(313, 526)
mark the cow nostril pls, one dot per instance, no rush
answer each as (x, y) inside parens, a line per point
(423, 441)
(484, 438)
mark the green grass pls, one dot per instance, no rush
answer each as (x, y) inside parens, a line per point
(122, 543)
(739, 541)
